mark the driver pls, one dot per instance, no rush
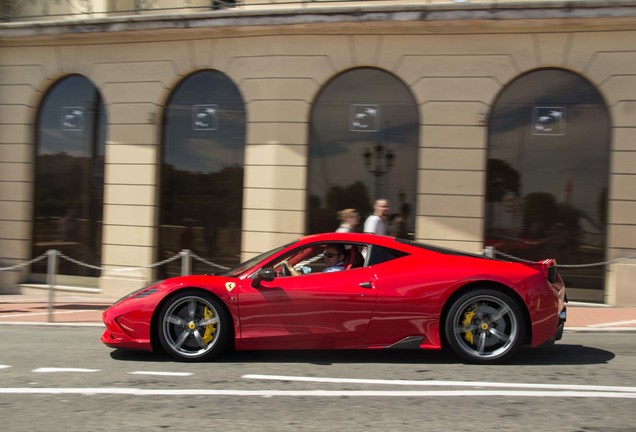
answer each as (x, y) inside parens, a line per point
(334, 256)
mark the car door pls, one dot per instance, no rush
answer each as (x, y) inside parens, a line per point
(308, 308)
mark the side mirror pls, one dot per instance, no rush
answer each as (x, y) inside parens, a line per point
(266, 274)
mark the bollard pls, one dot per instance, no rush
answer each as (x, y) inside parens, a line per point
(489, 251)
(51, 271)
(186, 262)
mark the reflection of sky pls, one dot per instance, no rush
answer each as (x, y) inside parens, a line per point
(547, 163)
(205, 151)
(336, 153)
(74, 91)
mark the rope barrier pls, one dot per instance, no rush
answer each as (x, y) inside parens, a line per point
(24, 264)
(180, 255)
(79, 263)
(185, 255)
(157, 264)
(175, 257)
(203, 260)
(614, 261)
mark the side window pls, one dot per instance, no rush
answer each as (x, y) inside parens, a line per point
(320, 258)
(304, 261)
(378, 254)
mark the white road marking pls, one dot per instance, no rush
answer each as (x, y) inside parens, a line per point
(161, 373)
(50, 324)
(46, 313)
(496, 389)
(53, 370)
(610, 324)
(479, 384)
(314, 393)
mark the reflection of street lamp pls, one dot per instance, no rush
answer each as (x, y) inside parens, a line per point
(379, 165)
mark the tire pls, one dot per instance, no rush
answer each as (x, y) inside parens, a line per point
(194, 326)
(485, 326)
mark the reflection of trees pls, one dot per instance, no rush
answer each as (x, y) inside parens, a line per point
(60, 184)
(211, 203)
(68, 206)
(543, 217)
(539, 213)
(501, 178)
(601, 205)
(324, 219)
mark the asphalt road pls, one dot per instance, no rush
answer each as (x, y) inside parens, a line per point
(64, 379)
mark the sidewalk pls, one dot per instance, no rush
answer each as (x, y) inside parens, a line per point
(65, 310)
(87, 311)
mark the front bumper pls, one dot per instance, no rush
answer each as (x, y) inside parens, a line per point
(561, 325)
(129, 330)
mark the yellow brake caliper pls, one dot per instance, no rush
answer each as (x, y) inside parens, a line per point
(210, 328)
(468, 318)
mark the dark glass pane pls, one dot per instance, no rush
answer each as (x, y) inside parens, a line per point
(69, 175)
(548, 173)
(364, 142)
(202, 171)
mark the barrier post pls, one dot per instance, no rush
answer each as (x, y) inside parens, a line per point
(51, 271)
(489, 251)
(186, 262)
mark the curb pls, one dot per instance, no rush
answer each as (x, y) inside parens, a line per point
(600, 330)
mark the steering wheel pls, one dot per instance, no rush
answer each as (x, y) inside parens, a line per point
(284, 269)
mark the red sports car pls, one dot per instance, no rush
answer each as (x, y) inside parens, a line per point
(348, 291)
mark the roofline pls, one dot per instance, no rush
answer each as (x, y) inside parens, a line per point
(596, 10)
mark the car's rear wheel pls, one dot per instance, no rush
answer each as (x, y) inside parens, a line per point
(194, 326)
(485, 326)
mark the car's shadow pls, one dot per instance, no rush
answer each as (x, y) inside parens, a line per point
(560, 354)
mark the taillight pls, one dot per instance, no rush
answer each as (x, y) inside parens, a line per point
(550, 270)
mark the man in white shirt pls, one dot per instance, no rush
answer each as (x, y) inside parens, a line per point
(376, 223)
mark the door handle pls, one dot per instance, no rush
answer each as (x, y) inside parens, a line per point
(365, 285)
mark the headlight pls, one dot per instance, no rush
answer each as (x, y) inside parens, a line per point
(141, 292)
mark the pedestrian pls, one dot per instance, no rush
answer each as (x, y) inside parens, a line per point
(349, 218)
(399, 226)
(376, 223)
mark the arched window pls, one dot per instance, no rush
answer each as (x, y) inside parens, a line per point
(69, 175)
(548, 168)
(363, 146)
(202, 170)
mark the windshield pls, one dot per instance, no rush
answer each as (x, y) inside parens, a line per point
(243, 267)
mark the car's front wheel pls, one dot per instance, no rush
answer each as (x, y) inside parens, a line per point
(485, 326)
(194, 326)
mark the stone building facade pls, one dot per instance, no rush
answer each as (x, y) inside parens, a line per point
(458, 69)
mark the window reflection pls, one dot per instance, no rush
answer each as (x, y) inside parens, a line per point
(363, 146)
(69, 175)
(548, 173)
(202, 171)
